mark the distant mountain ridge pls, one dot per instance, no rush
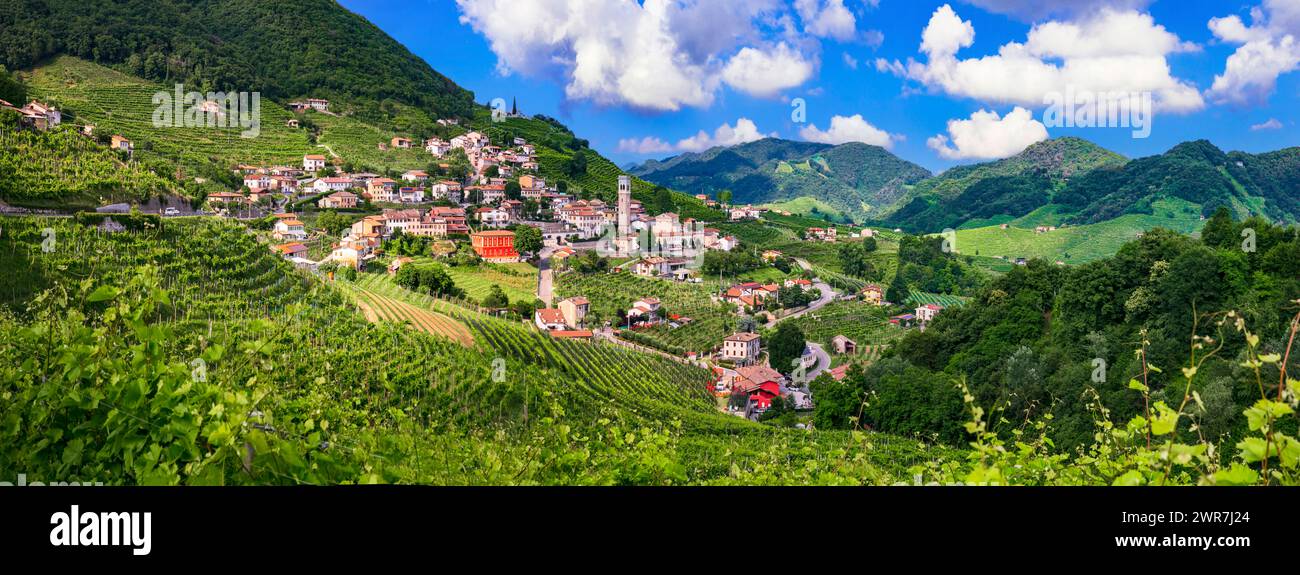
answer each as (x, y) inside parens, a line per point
(857, 178)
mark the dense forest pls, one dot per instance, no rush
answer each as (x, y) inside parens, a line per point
(1049, 340)
(283, 49)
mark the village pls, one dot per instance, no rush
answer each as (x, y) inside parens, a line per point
(502, 212)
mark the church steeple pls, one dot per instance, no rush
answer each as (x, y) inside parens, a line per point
(514, 106)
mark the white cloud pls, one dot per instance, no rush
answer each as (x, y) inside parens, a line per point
(659, 54)
(986, 136)
(827, 18)
(1271, 124)
(1269, 47)
(765, 74)
(850, 61)
(644, 146)
(1107, 51)
(1035, 10)
(848, 129)
(743, 132)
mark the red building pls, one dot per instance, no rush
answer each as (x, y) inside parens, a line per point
(497, 246)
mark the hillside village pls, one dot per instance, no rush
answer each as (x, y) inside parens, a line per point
(502, 212)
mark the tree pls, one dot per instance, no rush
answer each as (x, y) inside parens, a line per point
(528, 239)
(664, 200)
(785, 346)
(496, 298)
(1220, 231)
(513, 191)
(577, 165)
(855, 260)
(724, 197)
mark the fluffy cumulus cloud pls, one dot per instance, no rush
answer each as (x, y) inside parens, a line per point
(743, 132)
(845, 129)
(1268, 47)
(1105, 52)
(765, 74)
(987, 136)
(660, 54)
(827, 18)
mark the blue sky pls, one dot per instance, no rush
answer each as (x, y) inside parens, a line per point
(637, 79)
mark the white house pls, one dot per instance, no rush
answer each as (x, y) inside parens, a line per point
(741, 348)
(313, 163)
(289, 229)
(927, 312)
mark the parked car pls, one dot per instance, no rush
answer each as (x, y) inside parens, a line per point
(171, 212)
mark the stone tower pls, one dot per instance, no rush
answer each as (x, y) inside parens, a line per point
(624, 205)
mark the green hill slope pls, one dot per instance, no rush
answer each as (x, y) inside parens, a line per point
(853, 178)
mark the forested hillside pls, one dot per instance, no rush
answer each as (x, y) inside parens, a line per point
(281, 48)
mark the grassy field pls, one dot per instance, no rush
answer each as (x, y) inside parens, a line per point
(1076, 244)
(518, 281)
(117, 103)
(805, 206)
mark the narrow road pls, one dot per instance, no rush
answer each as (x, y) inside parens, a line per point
(545, 276)
(823, 361)
(828, 295)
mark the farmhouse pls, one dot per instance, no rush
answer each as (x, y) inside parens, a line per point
(652, 267)
(549, 319)
(647, 307)
(399, 143)
(741, 348)
(927, 312)
(844, 345)
(121, 144)
(291, 250)
(873, 294)
(575, 311)
(313, 163)
(289, 229)
(761, 383)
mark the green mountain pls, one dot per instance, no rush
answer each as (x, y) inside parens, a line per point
(857, 179)
(280, 48)
(1013, 186)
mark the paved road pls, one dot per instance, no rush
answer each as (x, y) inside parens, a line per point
(545, 276)
(828, 295)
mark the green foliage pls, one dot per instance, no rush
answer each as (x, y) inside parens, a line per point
(431, 279)
(64, 168)
(784, 347)
(528, 239)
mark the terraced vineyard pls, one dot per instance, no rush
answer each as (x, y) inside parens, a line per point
(863, 323)
(610, 293)
(120, 104)
(62, 168)
(922, 298)
(358, 142)
(385, 309)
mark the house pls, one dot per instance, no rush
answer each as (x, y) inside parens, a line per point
(496, 246)
(770, 256)
(258, 181)
(324, 185)
(311, 104)
(761, 383)
(400, 143)
(839, 373)
(397, 264)
(381, 189)
(844, 345)
(338, 200)
(549, 319)
(289, 229)
(226, 198)
(647, 307)
(741, 348)
(492, 217)
(291, 250)
(313, 163)
(39, 116)
(410, 195)
(652, 267)
(800, 283)
(121, 144)
(437, 147)
(575, 311)
(403, 219)
(927, 312)
(415, 176)
(446, 190)
(873, 294)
